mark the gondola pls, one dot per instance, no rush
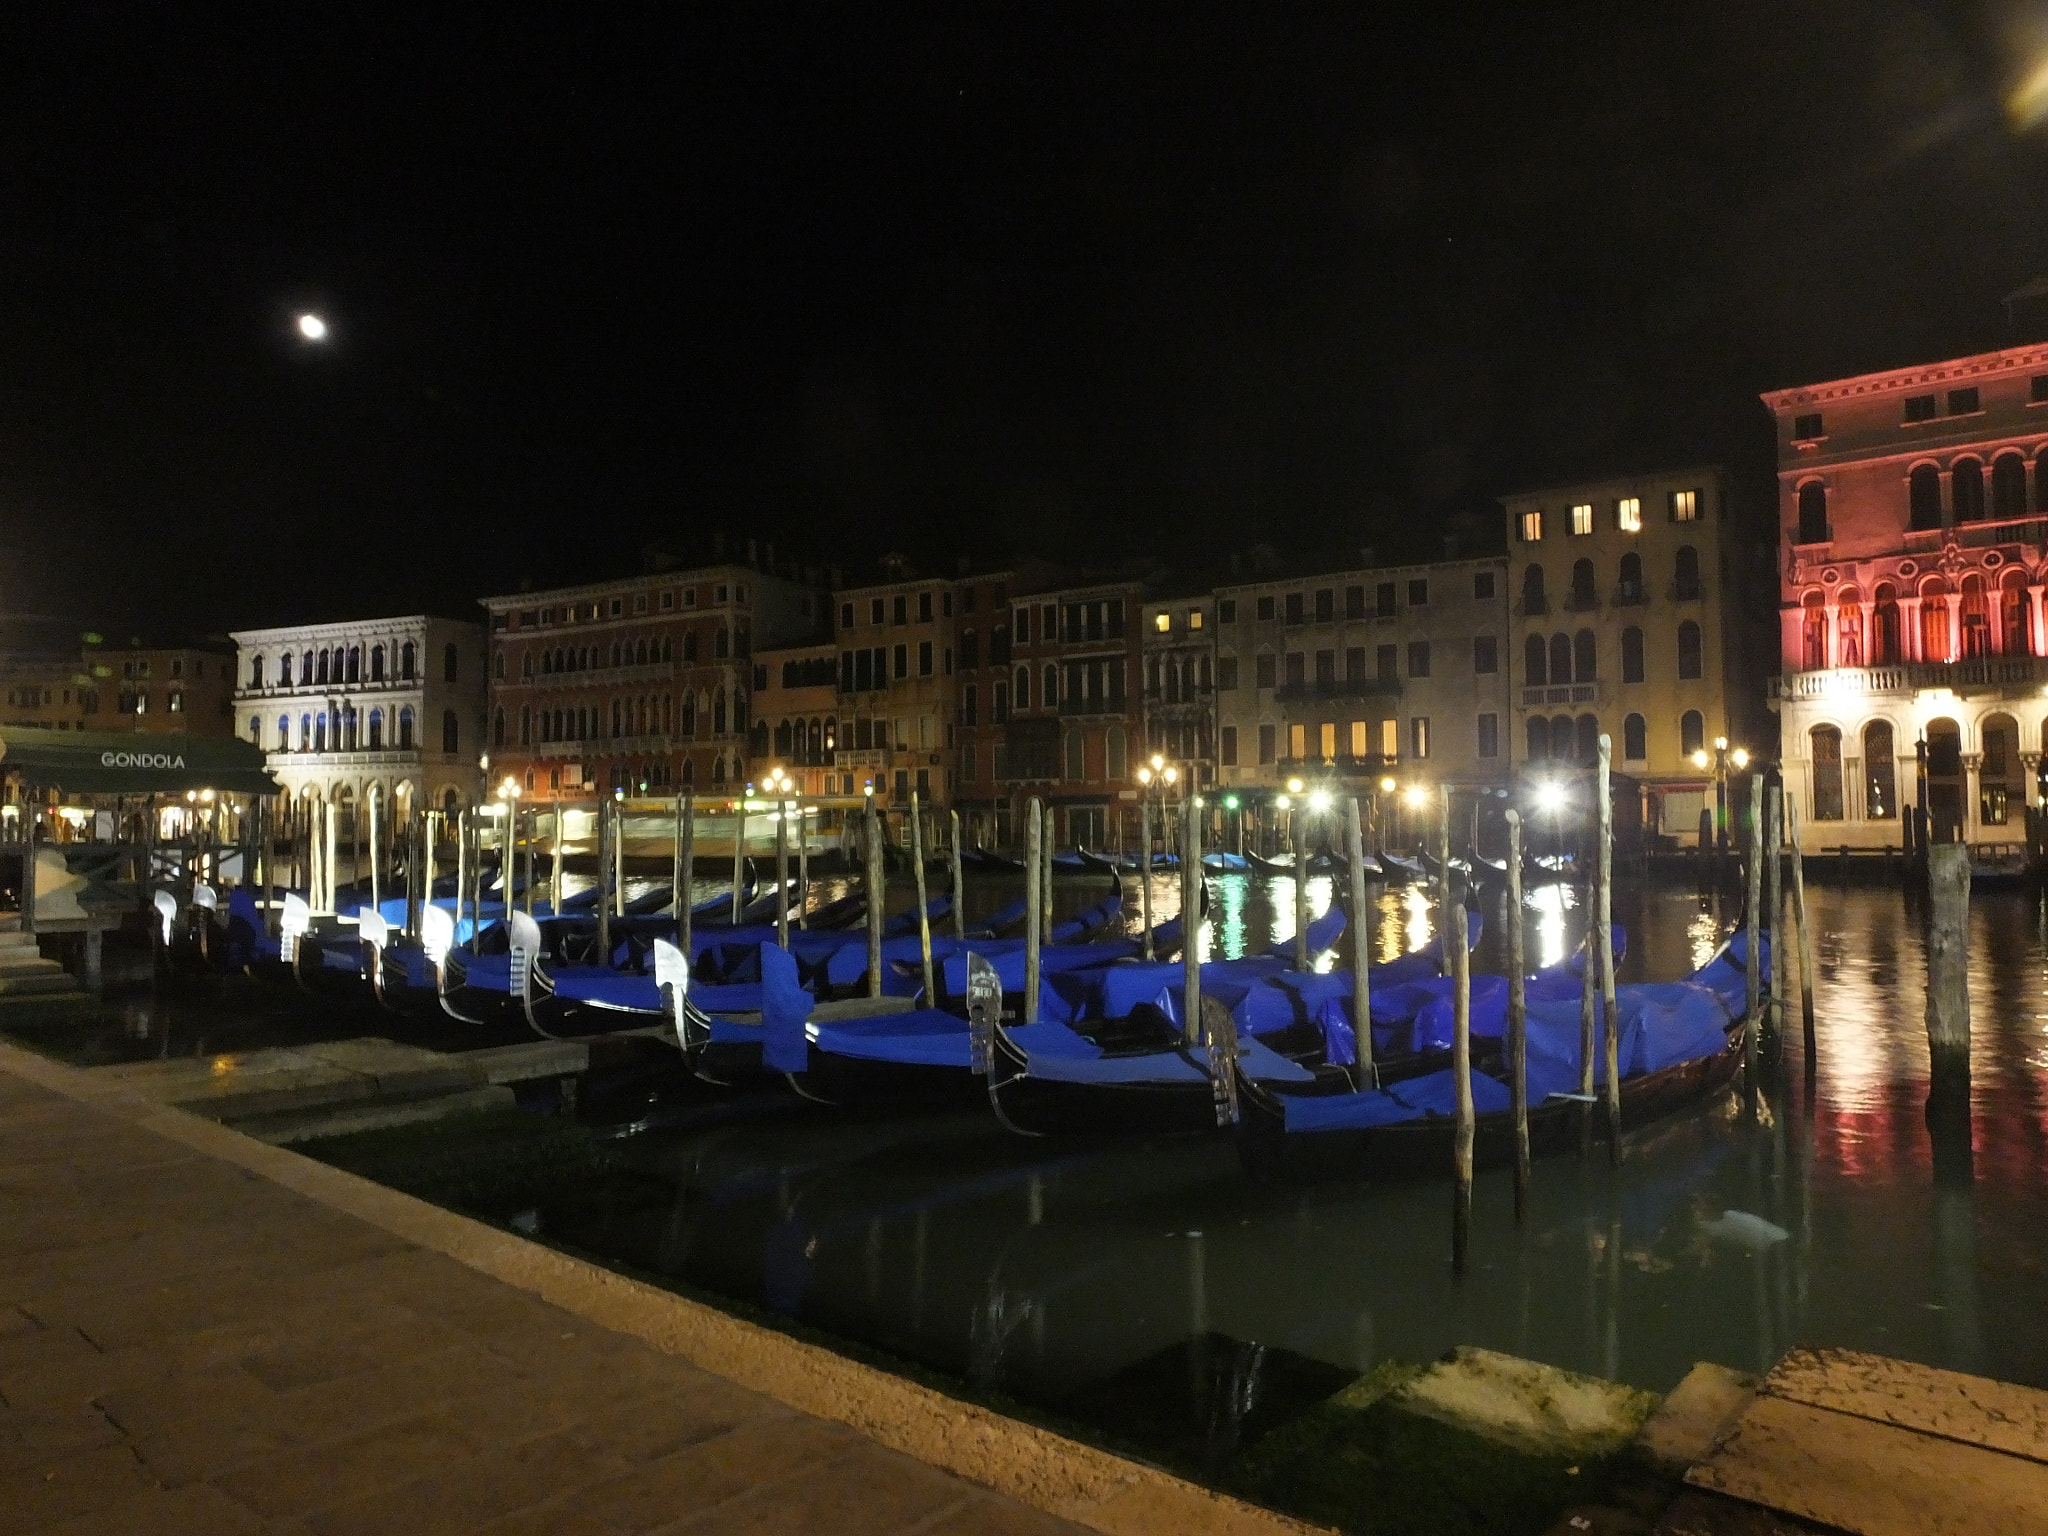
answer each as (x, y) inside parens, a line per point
(1681, 1042)
(979, 857)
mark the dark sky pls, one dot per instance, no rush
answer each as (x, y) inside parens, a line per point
(1093, 280)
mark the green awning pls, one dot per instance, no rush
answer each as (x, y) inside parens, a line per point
(130, 763)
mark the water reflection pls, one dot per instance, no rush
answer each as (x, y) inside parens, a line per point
(1836, 1213)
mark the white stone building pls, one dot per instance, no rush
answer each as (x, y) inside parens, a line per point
(394, 706)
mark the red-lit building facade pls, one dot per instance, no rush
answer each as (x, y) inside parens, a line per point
(643, 684)
(1913, 517)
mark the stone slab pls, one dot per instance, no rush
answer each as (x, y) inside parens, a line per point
(374, 1115)
(1684, 1427)
(1995, 1415)
(1533, 1407)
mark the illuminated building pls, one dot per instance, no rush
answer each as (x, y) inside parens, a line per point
(152, 690)
(1912, 512)
(341, 710)
(642, 684)
(896, 689)
(1623, 600)
(1355, 676)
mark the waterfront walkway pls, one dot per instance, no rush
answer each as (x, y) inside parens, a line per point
(198, 1335)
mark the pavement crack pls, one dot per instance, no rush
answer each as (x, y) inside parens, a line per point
(95, 1343)
(118, 1427)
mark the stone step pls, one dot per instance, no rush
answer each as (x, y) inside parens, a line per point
(12, 965)
(286, 1127)
(39, 986)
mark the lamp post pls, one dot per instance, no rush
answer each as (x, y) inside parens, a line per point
(1724, 758)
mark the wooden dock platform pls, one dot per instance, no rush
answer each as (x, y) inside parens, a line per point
(1837, 1441)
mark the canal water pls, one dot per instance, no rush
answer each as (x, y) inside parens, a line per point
(1156, 1290)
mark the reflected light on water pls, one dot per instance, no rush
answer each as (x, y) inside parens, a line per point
(1549, 903)
(1417, 924)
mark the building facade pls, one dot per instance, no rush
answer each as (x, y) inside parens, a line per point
(391, 706)
(896, 688)
(1356, 678)
(642, 684)
(1624, 622)
(153, 690)
(796, 717)
(1074, 712)
(982, 657)
(1913, 515)
(1177, 638)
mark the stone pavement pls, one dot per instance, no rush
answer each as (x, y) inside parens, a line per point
(188, 1345)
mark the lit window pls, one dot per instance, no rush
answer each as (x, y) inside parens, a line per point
(1628, 514)
(1532, 527)
(1194, 618)
(1685, 506)
(1582, 518)
(1162, 622)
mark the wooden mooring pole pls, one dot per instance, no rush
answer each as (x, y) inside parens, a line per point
(1948, 941)
(877, 891)
(1604, 948)
(1191, 888)
(803, 864)
(1145, 868)
(1034, 915)
(604, 869)
(1456, 940)
(1753, 898)
(685, 868)
(924, 916)
(739, 858)
(782, 874)
(1799, 921)
(1300, 900)
(1774, 908)
(1366, 1073)
(1518, 1015)
(959, 881)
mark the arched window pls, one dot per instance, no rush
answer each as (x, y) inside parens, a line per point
(718, 769)
(1976, 621)
(405, 733)
(1539, 739)
(284, 733)
(355, 663)
(1685, 584)
(1049, 692)
(305, 668)
(1688, 650)
(2008, 487)
(1824, 744)
(1884, 627)
(1813, 631)
(1583, 595)
(1966, 489)
(321, 675)
(526, 725)
(1587, 748)
(689, 770)
(1813, 514)
(1023, 687)
(1848, 628)
(718, 712)
(1934, 636)
(1113, 752)
(782, 740)
(1560, 658)
(320, 731)
(1630, 587)
(689, 726)
(451, 732)
(615, 653)
(256, 672)
(376, 663)
(2013, 628)
(690, 645)
(256, 730)
(450, 663)
(376, 730)
(305, 733)
(1632, 655)
(1561, 738)
(526, 666)
(2041, 483)
(1585, 657)
(1635, 739)
(1880, 773)
(640, 654)
(1923, 497)
(721, 643)
(1692, 733)
(1535, 662)
(498, 726)
(1533, 600)
(1076, 764)
(408, 665)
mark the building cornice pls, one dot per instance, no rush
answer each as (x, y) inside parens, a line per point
(1896, 380)
(1587, 489)
(345, 629)
(621, 586)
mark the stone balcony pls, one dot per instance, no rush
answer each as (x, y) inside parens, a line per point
(1978, 675)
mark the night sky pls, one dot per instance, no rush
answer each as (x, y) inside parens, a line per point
(1092, 282)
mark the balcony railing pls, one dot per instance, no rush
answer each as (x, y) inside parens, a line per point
(1347, 688)
(1582, 600)
(1533, 607)
(1371, 764)
(1979, 672)
(1685, 592)
(1085, 706)
(1561, 693)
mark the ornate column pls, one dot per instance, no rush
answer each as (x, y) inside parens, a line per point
(2037, 635)
(2030, 767)
(1955, 627)
(1909, 629)
(1831, 646)
(1973, 784)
